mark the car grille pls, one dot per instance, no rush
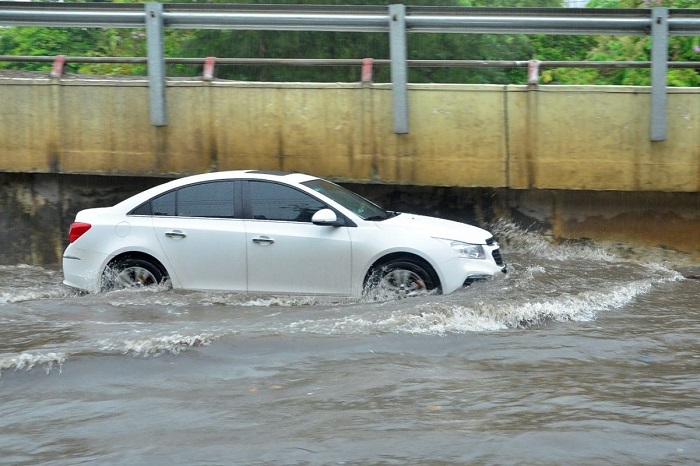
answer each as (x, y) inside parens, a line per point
(497, 257)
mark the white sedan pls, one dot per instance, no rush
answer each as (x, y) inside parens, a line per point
(271, 233)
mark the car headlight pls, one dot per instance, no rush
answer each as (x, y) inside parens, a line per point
(470, 251)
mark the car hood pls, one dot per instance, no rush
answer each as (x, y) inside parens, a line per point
(436, 227)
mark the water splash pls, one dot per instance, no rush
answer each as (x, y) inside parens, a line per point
(149, 296)
(22, 282)
(485, 314)
(28, 361)
(155, 345)
(517, 239)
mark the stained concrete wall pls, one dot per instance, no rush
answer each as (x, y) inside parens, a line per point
(551, 137)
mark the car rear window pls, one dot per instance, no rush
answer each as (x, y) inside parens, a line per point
(213, 199)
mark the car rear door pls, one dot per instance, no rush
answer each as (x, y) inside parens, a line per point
(201, 236)
(286, 252)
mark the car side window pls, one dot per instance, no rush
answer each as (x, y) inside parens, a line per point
(215, 199)
(206, 200)
(272, 201)
(165, 204)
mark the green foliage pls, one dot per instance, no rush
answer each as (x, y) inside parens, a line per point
(83, 42)
(308, 44)
(629, 48)
(643, 3)
(34, 41)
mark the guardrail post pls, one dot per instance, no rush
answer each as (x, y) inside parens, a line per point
(399, 67)
(156, 64)
(367, 70)
(533, 72)
(208, 71)
(59, 64)
(659, 69)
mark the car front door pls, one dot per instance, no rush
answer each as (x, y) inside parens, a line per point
(286, 252)
(201, 237)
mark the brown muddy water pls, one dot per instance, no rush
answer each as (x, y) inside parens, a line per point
(583, 354)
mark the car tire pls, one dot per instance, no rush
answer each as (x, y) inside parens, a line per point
(131, 273)
(401, 278)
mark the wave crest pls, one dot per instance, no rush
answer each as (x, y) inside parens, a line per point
(156, 346)
(28, 361)
(436, 318)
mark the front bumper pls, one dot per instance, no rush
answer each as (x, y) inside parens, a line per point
(460, 272)
(475, 278)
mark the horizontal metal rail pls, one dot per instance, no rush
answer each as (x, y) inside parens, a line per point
(378, 62)
(350, 18)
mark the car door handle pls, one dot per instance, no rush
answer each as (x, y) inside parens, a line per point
(263, 240)
(175, 234)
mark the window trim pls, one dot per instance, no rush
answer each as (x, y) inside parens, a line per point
(237, 201)
(247, 201)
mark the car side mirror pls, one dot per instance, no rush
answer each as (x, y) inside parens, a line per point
(326, 217)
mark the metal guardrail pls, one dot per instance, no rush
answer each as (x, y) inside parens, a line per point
(397, 20)
(353, 62)
(355, 18)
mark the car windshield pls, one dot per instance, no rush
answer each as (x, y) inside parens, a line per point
(348, 199)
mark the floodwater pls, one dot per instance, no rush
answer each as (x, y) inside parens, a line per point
(583, 354)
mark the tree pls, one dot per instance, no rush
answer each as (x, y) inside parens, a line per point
(36, 41)
(632, 48)
(339, 45)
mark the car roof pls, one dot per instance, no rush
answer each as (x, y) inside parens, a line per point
(288, 177)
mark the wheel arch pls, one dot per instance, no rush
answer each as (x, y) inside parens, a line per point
(403, 255)
(138, 255)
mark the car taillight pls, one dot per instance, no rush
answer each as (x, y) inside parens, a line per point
(78, 229)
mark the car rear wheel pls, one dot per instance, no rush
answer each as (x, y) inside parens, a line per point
(401, 278)
(131, 273)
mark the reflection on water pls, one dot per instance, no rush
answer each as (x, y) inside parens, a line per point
(583, 354)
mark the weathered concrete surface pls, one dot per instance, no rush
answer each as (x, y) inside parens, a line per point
(668, 220)
(597, 138)
(551, 137)
(37, 209)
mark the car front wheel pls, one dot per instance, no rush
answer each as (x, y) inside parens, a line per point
(131, 273)
(400, 278)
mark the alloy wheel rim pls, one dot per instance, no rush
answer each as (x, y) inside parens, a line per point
(402, 281)
(134, 277)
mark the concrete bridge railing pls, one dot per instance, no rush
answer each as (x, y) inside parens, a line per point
(520, 137)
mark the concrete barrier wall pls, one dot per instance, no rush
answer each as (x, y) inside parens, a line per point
(597, 138)
(552, 137)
